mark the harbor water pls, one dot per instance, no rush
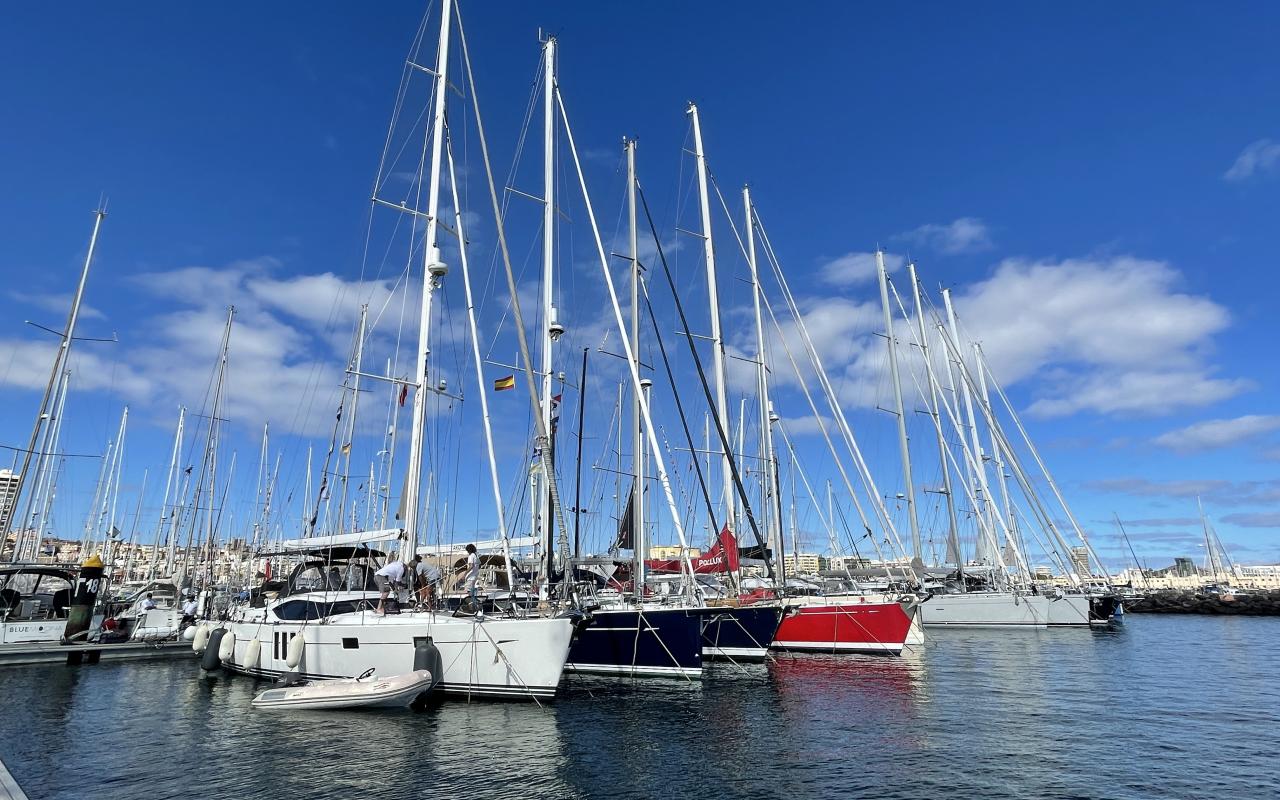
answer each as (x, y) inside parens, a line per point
(1165, 707)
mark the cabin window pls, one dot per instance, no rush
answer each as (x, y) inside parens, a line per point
(299, 610)
(351, 643)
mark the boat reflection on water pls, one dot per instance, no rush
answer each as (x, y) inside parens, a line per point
(866, 685)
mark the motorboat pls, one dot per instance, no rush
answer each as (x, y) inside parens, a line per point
(34, 600)
(366, 691)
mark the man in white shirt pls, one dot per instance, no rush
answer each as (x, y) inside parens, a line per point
(390, 576)
(189, 611)
(149, 604)
(473, 570)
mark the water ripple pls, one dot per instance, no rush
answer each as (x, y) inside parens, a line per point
(1171, 707)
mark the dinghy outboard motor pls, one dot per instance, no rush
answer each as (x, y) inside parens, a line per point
(212, 658)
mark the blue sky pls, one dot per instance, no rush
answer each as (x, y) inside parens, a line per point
(1098, 186)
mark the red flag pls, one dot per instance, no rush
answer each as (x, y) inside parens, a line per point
(404, 392)
(722, 557)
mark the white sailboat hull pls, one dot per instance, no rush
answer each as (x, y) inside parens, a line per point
(479, 657)
(1004, 609)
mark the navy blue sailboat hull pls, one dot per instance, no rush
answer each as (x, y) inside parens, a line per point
(739, 634)
(636, 643)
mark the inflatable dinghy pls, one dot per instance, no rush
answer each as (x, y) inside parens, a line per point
(366, 691)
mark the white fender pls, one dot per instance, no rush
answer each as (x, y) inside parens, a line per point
(294, 655)
(227, 649)
(252, 654)
(189, 633)
(201, 638)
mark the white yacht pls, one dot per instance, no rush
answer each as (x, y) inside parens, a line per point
(329, 604)
(984, 609)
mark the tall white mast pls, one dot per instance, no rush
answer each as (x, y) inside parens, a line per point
(953, 532)
(640, 541)
(980, 488)
(306, 496)
(387, 462)
(1006, 503)
(433, 270)
(769, 496)
(47, 476)
(629, 354)
(59, 361)
(351, 421)
(717, 343)
(479, 366)
(175, 509)
(550, 326)
(1044, 469)
(903, 445)
(212, 445)
(264, 476)
(171, 475)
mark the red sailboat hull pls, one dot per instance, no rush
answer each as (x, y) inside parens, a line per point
(819, 625)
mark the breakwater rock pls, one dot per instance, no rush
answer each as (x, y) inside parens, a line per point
(1250, 603)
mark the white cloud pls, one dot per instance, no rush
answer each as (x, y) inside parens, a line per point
(1217, 491)
(1259, 157)
(857, 267)
(1110, 391)
(1254, 520)
(964, 235)
(59, 304)
(29, 363)
(1214, 433)
(289, 343)
(809, 425)
(1158, 522)
(1109, 335)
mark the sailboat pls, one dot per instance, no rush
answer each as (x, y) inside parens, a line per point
(323, 623)
(629, 636)
(984, 593)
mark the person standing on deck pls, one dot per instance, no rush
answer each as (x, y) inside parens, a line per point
(473, 571)
(389, 577)
(426, 577)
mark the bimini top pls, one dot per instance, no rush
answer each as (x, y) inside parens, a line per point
(487, 546)
(342, 539)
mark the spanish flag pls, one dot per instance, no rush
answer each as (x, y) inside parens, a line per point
(502, 384)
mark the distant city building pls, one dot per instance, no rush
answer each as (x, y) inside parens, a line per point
(1043, 574)
(1187, 578)
(807, 563)
(842, 563)
(26, 545)
(1185, 568)
(1080, 561)
(8, 497)
(670, 552)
